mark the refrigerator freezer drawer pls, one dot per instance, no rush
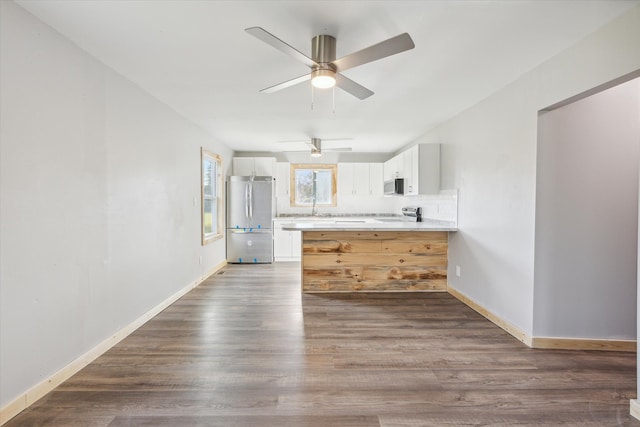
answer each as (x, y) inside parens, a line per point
(249, 247)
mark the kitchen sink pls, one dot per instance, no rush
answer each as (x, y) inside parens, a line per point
(393, 220)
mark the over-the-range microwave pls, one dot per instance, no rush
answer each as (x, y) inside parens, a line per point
(394, 187)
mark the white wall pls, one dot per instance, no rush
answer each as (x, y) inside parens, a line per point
(98, 223)
(489, 154)
(587, 217)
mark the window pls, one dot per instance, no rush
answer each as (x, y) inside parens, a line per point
(211, 196)
(309, 182)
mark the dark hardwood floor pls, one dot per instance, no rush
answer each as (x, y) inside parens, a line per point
(245, 348)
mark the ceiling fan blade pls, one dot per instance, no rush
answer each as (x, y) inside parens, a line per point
(308, 140)
(283, 47)
(286, 84)
(323, 150)
(291, 141)
(337, 149)
(337, 139)
(352, 87)
(381, 50)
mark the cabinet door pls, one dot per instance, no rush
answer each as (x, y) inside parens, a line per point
(376, 183)
(345, 179)
(394, 167)
(243, 166)
(389, 169)
(283, 171)
(361, 179)
(281, 242)
(264, 166)
(429, 164)
(415, 171)
(411, 170)
(296, 245)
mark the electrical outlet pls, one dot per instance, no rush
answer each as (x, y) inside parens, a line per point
(457, 270)
(200, 260)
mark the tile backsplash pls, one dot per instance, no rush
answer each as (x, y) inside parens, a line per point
(442, 206)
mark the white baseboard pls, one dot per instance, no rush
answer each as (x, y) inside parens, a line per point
(635, 408)
(26, 399)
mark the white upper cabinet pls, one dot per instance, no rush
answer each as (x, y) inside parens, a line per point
(411, 159)
(392, 168)
(420, 168)
(360, 179)
(258, 166)
(376, 181)
(283, 172)
(424, 176)
(345, 179)
(243, 166)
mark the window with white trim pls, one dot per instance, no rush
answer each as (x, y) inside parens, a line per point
(309, 182)
(211, 196)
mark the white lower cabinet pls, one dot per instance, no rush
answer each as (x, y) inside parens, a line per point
(286, 244)
(296, 245)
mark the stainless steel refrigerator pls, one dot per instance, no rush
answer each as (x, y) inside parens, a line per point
(250, 212)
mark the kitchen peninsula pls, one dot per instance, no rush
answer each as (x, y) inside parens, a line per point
(373, 255)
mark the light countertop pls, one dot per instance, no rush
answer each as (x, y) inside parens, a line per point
(365, 224)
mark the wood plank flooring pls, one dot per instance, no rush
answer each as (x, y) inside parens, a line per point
(245, 348)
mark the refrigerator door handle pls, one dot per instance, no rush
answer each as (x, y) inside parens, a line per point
(250, 201)
(246, 201)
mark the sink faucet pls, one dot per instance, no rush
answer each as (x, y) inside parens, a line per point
(314, 209)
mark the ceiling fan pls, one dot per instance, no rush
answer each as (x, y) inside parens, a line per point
(316, 146)
(325, 68)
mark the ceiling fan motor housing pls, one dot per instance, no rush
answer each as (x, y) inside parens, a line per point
(323, 51)
(316, 147)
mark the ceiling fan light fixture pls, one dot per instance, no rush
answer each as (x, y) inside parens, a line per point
(323, 78)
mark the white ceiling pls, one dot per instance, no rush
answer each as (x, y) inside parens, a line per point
(196, 57)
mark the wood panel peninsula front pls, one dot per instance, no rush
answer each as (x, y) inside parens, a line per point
(373, 256)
